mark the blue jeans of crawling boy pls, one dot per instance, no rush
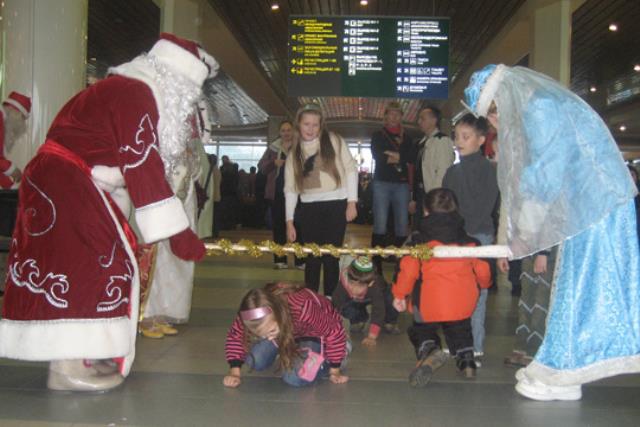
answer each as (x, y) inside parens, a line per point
(480, 312)
(264, 352)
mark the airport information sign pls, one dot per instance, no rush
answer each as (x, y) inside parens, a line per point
(368, 56)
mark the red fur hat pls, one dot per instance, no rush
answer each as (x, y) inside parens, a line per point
(19, 102)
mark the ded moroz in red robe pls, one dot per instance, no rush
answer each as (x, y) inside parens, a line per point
(72, 284)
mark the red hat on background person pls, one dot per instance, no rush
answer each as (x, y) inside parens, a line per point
(181, 56)
(19, 102)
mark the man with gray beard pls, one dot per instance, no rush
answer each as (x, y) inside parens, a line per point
(13, 124)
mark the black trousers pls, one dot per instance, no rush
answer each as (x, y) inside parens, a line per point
(279, 225)
(457, 334)
(322, 223)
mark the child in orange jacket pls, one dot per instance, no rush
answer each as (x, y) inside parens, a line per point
(443, 291)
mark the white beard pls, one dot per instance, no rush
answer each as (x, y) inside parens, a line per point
(175, 97)
(14, 128)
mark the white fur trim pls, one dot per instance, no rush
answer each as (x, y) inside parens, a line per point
(134, 296)
(489, 90)
(180, 60)
(161, 219)
(65, 339)
(108, 178)
(602, 369)
(15, 104)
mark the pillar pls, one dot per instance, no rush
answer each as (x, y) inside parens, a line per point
(44, 56)
(551, 39)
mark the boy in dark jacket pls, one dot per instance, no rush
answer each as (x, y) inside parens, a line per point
(360, 286)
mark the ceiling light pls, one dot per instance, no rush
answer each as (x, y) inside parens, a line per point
(622, 128)
(636, 67)
(364, 2)
(275, 6)
(593, 89)
(613, 27)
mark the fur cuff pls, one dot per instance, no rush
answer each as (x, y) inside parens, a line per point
(162, 219)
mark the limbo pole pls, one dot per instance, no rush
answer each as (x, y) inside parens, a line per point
(248, 247)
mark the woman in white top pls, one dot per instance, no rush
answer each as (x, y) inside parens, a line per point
(322, 173)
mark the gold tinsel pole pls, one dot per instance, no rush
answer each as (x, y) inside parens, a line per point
(248, 247)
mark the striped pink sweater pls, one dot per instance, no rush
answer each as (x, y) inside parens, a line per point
(313, 316)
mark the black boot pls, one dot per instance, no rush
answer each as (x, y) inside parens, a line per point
(377, 240)
(430, 359)
(466, 364)
(399, 241)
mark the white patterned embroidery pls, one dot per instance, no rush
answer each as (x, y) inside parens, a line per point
(143, 147)
(28, 274)
(33, 212)
(101, 258)
(114, 290)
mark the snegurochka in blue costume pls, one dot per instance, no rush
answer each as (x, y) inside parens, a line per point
(564, 181)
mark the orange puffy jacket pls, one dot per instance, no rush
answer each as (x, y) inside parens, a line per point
(449, 286)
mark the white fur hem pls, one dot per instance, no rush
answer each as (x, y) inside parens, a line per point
(161, 219)
(65, 339)
(9, 171)
(180, 60)
(603, 369)
(17, 106)
(489, 90)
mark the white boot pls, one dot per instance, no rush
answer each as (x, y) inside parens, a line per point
(536, 390)
(74, 375)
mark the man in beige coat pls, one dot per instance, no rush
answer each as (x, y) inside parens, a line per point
(434, 156)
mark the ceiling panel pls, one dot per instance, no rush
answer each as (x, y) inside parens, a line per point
(264, 34)
(604, 60)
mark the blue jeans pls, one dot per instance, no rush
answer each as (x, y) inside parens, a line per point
(396, 195)
(264, 353)
(480, 312)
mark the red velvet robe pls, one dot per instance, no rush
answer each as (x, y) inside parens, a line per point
(73, 288)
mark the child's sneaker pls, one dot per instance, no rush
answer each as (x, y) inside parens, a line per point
(392, 328)
(477, 356)
(467, 365)
(427, 365)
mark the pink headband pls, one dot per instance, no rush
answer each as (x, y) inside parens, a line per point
(255, 313)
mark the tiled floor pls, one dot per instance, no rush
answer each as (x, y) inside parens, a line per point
(178, 381)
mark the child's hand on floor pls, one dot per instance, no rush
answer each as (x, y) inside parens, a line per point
(233, 379)
(369, 342)
(399, 304)
(336, 377)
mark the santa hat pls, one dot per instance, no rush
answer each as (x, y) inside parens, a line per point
(181, 56)
(19, 102)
